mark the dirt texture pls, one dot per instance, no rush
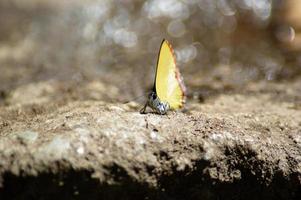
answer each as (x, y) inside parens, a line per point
(242, 144)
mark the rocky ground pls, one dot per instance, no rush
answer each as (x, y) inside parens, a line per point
(237, 144)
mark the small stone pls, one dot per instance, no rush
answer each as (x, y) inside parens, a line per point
(115, 108)
(154, 135)
(27, 136)
(57, 148)
(80, 150)
(83, 134)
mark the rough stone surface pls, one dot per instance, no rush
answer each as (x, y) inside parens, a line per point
(247, 143)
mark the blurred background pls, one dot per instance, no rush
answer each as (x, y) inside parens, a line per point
(107, 49)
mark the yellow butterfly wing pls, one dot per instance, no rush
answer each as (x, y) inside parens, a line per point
(169, 84)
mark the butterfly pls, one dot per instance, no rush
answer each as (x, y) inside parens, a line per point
(168, 92)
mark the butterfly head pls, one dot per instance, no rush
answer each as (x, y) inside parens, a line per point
(156, 104)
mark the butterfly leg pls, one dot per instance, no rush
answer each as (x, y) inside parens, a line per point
(142, 111)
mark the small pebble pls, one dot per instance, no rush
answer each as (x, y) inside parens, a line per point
(27, 136)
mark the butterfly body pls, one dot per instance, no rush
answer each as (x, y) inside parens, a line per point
(156, 104)
(169, 90)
